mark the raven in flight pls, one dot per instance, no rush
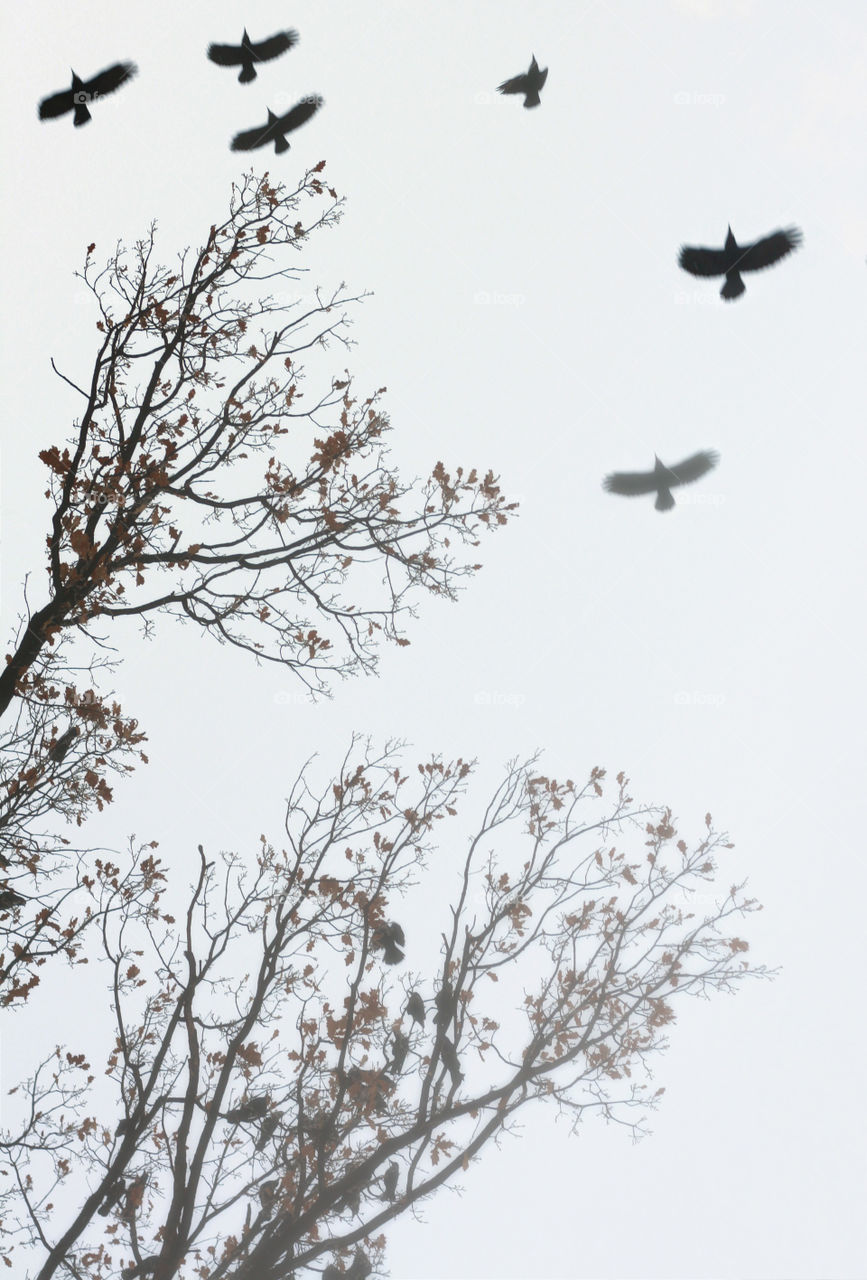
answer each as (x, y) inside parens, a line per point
(246, 54)
(277, 127)
(84, 91)
(662, 479)
(529, 84)
(389, 938)
(734, 258)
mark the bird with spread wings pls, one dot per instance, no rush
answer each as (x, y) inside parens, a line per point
(662, 479)
(734, 258)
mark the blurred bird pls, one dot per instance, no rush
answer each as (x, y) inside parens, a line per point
(445, 1003)
(332, 1272)
(266, 1133)
(529, 84)
(84, 91)
(10, 898)
(267, 1192)
(360, 1267)
(731, 260)
(399, 1052)
(277, 127)
(449, 1055)
(112, 1196)
(389, 938)
(389, 1181)
(58, 749)
(415, 1008)
(662, 479)
(252, 1109)
(246, 54)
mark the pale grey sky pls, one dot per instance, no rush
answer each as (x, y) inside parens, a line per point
(529, 316)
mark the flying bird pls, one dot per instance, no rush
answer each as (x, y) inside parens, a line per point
(529, 84)
(58, 749)
(415, 1008)
(246, 54)
(389, 938)
(277, 127)
(734, 258)
(84, 91)
(662, 479)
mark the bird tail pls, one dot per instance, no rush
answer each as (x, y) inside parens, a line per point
(82, 115)
(664, 500)
(248, 74)
(280, 145)
(532, 99)
(733, 287)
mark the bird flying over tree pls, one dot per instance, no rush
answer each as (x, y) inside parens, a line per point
(246, 54)
(529, 83)
(662, 479)
(85, 91)
(277, 127)
(734, 258)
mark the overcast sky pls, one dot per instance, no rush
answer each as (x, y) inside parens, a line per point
(529, 316)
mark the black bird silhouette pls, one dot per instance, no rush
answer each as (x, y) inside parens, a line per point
(267, 1193)
(58, 749)
(662, 479)
(84, 91)
(529, 84)
(734, 258)
(9, 898)
(415, 1008)
(445, 1003)
(401, 1049)
(112, 1196)
(449, 1055)
(389, 1181)
(360, 1267)
(266, 1133)
(389, 938)
(253, 1109)
(277, 127)
(246, 54)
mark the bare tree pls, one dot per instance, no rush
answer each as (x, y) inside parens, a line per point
(195, 484)
(280, 1092)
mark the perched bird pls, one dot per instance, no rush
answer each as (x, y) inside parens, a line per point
(267, 1192)
(277, 127)
(58, 749)
(359, 1268)
(389, 1181)
(266, 1133)
(332, 1272)
(134, 1196)
(252, 1109)
(389, 938)
(662, 479)
(401, 1049)
(84, 91)
(529, 84)
(352, 1200)
(10, 898)
(415, 1008)
(734, 258)
(445, 1003)
(112, 1196)
(246, 54)
(449, 1055)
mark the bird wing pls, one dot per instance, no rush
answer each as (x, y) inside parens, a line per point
(703, 262)
(226, 55)
(274, 45)
(541, 78)
(765, 252)
(249, 139)
(694, 467)
(631, 483)
(111, 78)
(300, 114)
(517, 84)
(57, 105)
